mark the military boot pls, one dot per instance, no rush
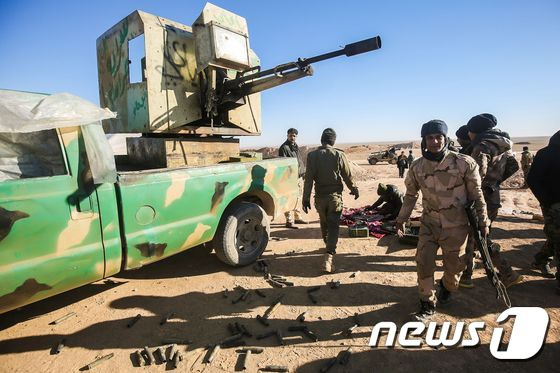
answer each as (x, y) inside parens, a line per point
(466, 281)
(426, 312)
(510, 279)
(328, 265)
(544, 268)
(443, 295)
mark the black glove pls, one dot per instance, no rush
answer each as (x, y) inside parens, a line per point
(356, 193)
(306, 206)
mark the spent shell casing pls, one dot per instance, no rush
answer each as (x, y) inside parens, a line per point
(149, 355)
(133, 321)
(99, 361)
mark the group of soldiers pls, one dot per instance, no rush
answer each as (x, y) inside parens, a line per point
(449, 181)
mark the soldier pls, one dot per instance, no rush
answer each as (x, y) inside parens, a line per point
(488, 146)
(290, 149)
(447, 180)
(526, 161)
(327, 167)
(389, 202)
(463, 139)
(410, 158)
(544, 181)
(402, 164)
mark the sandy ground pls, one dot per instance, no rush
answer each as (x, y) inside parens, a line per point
(378, 281)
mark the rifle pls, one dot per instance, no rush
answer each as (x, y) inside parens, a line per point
(482, 245)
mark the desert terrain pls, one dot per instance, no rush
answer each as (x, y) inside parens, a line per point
(377, 281)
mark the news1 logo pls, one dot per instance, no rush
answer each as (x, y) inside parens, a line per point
(527, 336)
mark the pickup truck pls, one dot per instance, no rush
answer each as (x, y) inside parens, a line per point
(59, 231)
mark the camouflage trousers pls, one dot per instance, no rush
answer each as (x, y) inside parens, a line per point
(329, 208)
(552, 232)
(296, 212)
(503, 266)
(525, 173)
(452, 242)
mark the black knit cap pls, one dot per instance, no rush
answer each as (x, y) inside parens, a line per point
(435, 126)
(328, 136)
(463, 133)
(482, 122)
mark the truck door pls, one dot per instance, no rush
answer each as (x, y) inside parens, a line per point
(50, 238)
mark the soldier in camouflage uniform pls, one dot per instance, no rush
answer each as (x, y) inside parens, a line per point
(544, 181)
(447, 180)
(526, 161)
(491, 149)
(327, 167)
(389, 202)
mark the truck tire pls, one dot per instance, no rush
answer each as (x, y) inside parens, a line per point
(393, 161)
(242, 235)
(372, 161)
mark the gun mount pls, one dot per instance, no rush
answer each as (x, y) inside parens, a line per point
(199, 81)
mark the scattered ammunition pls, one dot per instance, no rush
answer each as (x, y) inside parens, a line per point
(301, 318)
(225, 293)
(344, 356)
(172, 351)
(313, 289)
(261, 266)
(149, 355)
(280, 337)
(243, 329)
(266, 335)
(139, 358)
(329, 365)
(283, 281)
(273, 307)
(161, 354)
(355, 274)
(99, 361)
(59, 347)
(65, 317)
(213, 354)
(175, 359)
(133, 321)
(260, 293)
(169, 341)
(263, 320)
(275, 368)
(231, 339)
(248, 351)
(312, 297)
(275, 283)
(238, 299)
(334, 284)
(166, 318)
(245, 295)
(351, 329)
(305, 330)
(234, 344)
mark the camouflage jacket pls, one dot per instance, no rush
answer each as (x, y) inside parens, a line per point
(446, 188)
(487, 148)
(327, 167)
(526, 159)
(503, 167)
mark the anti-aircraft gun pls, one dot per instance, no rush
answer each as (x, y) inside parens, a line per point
(200, 86)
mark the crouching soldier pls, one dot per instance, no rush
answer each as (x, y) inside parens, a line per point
(389, 202)
(448, 180)
(326, 168)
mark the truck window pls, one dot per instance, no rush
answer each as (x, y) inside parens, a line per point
(27, 155)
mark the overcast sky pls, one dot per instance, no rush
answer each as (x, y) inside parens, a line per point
(440, 59)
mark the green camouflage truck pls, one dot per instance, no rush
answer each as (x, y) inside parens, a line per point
(182, 182)
(58, 231)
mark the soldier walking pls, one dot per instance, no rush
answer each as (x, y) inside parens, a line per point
(291, 149)
(491, 149)
(402, 164)
(410, 158)
(526, 161)
(327, 167)
(544, 181)
(447, 180)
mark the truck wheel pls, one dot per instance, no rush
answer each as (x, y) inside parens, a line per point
(242, 235)
(393, 161)
(372, 161)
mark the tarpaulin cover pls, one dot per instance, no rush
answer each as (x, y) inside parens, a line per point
(22, 112)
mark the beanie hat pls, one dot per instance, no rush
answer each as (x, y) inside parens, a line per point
(381, 188)
(462, 133)
(328, 136)
(432, 127)
(481, 122)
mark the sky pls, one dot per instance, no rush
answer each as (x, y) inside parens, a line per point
(446, 60)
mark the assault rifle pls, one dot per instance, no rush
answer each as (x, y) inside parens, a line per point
(482, 245)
